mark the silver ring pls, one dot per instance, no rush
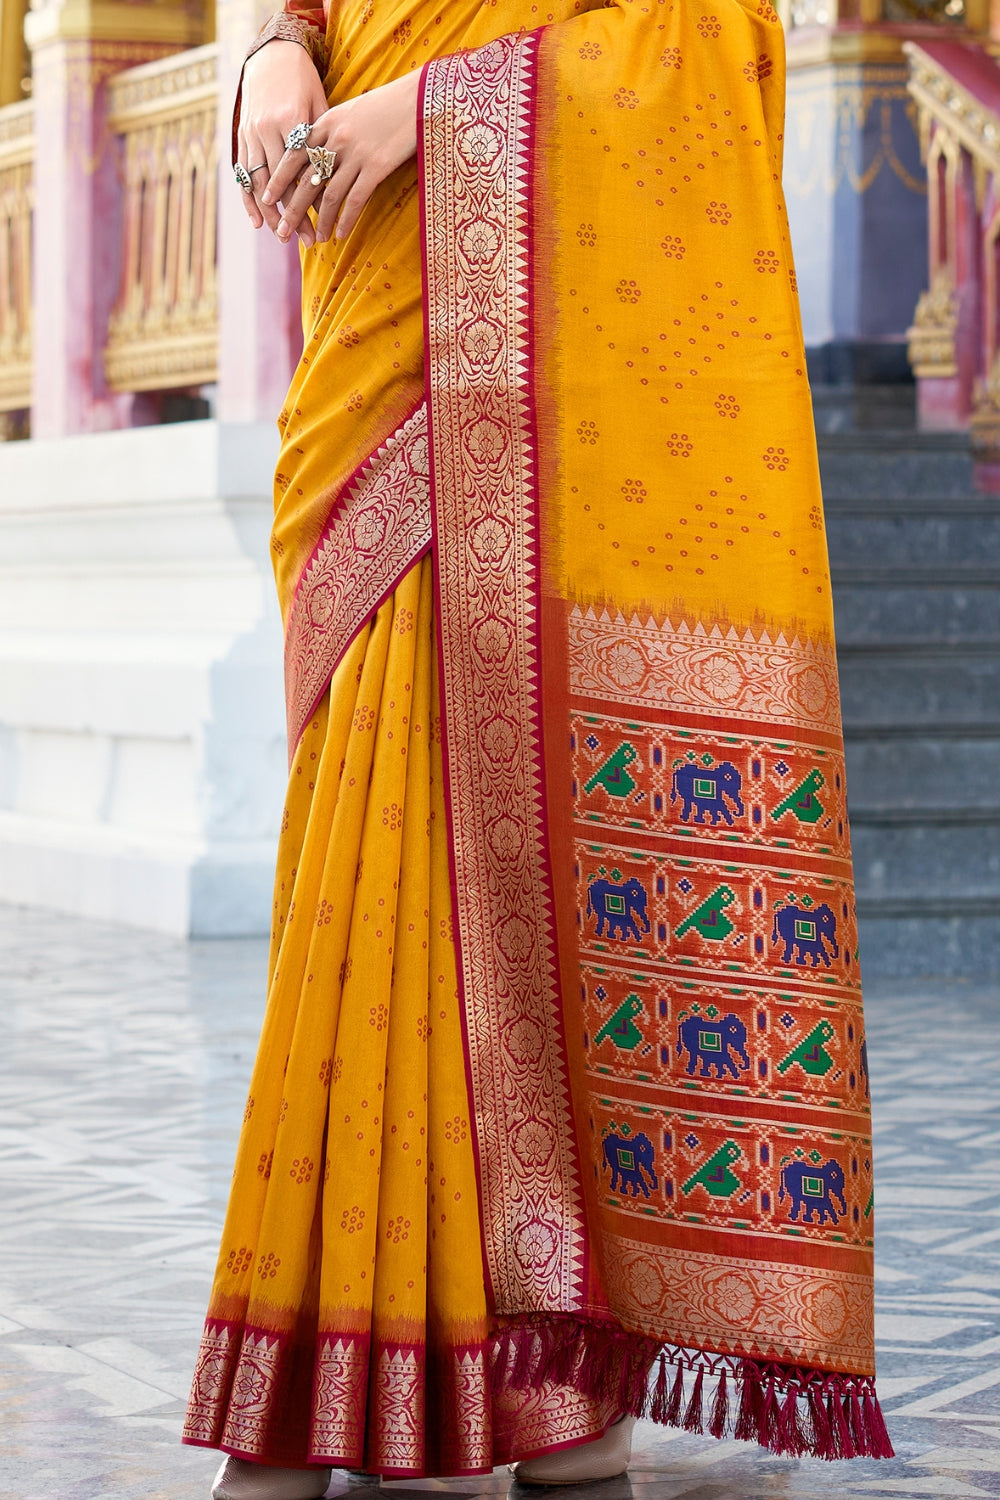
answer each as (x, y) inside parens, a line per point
(297, 136)
(242, 176)
(258, 168)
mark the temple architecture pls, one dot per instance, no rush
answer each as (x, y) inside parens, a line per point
(146, 340)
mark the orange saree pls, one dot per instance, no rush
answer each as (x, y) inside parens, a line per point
(562, 1079)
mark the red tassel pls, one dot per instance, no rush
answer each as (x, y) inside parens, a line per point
(524, 1359)
(692, 1417)
(855, 1421)
(719, 1420)
(635, 1385)
(658, 1406)
(843, 1446)
(767, 1429)
(822, 1437)
(746, 1422)
(879, 1445)
(791, 1436)
(672, 1416)
(501, 1360)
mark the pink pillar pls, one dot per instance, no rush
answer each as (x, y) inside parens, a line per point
(260, 327)
(76, 231)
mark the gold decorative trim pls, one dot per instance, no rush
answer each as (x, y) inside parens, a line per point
(931, 347)
(17, 134)
(953, 108)
(168, 87)
(984, 423)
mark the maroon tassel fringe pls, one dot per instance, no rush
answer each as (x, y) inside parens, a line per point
(658, 1405)
(719, 1420)
(672, 1417)
(839, 1415)
(692, 1417)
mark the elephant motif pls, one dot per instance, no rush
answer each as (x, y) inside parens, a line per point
(708, 789)
(712, 1045)
(806, 931)
(630, 1159)
(618, 907)
(813, 1189)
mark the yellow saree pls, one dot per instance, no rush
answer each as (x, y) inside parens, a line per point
(562, 1077)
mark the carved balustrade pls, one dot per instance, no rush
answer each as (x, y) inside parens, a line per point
(17, 147)
(163, 331)
(954, 343)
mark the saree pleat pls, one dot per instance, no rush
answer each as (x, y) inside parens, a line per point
(348, 1319)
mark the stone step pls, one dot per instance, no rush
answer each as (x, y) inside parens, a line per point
(884, 465)
(872, 610)
(929, 686)
(927, 541)
(921, 942)
(939, 860)
(904, 777)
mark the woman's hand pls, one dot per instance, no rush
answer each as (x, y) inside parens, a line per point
(281, 87)
(371, 135)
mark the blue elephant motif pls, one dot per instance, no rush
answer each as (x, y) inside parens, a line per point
(620, 908)
(806, 931)
(712, 1044)
(813, 1189)
(710, 789)
(630, 1158)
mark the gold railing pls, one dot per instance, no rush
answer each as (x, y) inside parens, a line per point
(955, 338)
(17, 147)
(163, 332)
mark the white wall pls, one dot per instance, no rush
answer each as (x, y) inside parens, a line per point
(142, 749)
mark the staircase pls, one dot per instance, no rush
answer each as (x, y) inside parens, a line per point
(915, 554)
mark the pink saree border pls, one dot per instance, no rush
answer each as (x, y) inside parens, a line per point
(476, 138)
(379, 526)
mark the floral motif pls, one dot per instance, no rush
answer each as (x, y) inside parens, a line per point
(671, 57)
(479, 145)
(487, 441)
(735, 1299)
(506, 837)
(721, 677)
(490, 540)
(480, 341)
(625, 664)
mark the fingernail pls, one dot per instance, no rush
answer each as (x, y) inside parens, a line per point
(265, 197)
(283, 230)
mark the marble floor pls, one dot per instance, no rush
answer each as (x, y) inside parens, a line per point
(125, 1058)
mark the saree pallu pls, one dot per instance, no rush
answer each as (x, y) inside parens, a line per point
(563, 1076)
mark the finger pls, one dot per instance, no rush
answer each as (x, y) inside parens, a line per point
(336, 191)
(284, 175)
(252, 208)
(294, 210)
(263, 152)
(355, 203)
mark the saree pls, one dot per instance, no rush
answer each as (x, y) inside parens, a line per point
(561, 1108)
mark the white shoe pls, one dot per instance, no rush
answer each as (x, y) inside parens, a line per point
(604, 1458)
(239, 1480)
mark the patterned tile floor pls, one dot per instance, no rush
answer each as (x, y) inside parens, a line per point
(124, 1065)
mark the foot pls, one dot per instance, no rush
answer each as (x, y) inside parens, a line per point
(240, 1480)
(604, 1458)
